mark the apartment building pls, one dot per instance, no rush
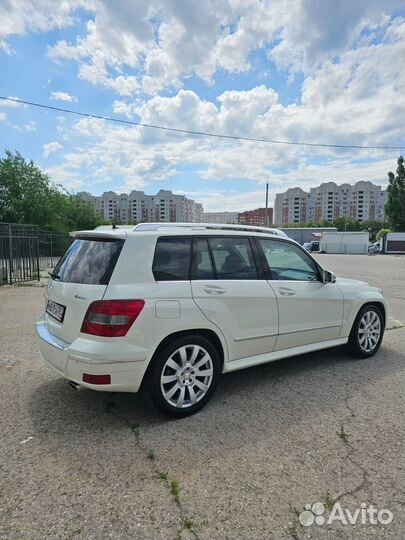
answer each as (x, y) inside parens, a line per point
(259, 217)
(363, 201)
(138, 207)
(291, 206)
(221, 217)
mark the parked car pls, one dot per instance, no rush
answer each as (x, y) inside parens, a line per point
(374, 247)
(169, 308)
(311, 246)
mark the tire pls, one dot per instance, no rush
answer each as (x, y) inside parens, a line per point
(183, 392)
(367, 332)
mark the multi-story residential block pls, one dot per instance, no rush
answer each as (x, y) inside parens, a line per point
(259, 217)
(221, 217)
(363, 201)
(291, 206)
(137, 206)
(368, 202)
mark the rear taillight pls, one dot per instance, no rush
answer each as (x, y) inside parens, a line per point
(111, 318)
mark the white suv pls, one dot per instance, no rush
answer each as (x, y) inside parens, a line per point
(170, 307)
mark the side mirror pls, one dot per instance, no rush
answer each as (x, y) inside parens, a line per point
(328, 277)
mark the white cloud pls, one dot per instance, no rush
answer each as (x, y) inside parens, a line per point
(62, 96)
(51, 148)
(20, 16)
(30, 126)
(349, 55)
(311, 31)
(60, 175)
(166, 41)
(126, 109)
(11, 104)
(228, 200)
(3, 117)
(137, 157)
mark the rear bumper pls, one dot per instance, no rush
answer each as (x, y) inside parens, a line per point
(126, 364)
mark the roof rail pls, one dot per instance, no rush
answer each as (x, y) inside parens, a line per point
(208, 226)
(112, 227)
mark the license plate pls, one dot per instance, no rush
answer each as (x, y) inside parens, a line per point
(57, 311)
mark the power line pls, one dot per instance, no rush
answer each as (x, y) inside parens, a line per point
(198, 133)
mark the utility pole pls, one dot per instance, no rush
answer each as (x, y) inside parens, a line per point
(267, 204)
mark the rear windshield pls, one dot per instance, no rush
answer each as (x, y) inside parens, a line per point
(89, 261)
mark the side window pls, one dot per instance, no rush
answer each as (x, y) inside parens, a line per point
(287, 261)
(172, 259)
(202, 265)
(233, 258)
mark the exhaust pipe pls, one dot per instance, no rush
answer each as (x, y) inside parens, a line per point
(76, 386)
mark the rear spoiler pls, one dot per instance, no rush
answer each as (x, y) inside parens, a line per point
(112, 233)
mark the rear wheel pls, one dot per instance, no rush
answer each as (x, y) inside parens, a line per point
(367, 332)
(184, 375)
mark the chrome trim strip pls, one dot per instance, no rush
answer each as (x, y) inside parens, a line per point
(49, 338)
(255, 337)
(310, 329)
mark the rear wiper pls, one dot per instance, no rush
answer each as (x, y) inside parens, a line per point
(53, 275)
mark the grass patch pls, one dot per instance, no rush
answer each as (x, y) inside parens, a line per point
(162, 475)
(294, 510)
(293, 531)
(343, 435)
(187, 523)
(329, 501)
(175, 490)
(151, 454)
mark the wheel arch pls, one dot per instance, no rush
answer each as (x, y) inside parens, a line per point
(204, 332)
(376, 303)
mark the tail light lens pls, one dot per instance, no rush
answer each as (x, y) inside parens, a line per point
(111, 318)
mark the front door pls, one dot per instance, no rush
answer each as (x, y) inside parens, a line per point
(310, 311)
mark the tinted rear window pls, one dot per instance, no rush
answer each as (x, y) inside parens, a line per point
(172, 259)
(89, 261)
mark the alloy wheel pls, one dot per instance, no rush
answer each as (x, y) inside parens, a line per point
(369, 331)
(186, 376)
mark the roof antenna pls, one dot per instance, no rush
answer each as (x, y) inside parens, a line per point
(114, 226)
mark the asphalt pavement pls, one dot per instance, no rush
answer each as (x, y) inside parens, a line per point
(274, 440)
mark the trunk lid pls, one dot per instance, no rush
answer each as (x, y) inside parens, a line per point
(79, 278)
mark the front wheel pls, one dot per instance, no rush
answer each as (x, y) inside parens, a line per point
(367, 332)
(184, 375)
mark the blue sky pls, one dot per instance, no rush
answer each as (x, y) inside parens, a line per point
(292, 70)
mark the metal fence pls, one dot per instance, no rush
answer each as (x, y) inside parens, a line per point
(25, 250)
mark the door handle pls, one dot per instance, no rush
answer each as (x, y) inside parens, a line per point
(212, 289)
(285, 291)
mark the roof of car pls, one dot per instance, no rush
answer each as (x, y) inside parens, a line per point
(177, 229)
(193, 227)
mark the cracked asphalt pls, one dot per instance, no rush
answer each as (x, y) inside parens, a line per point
(319, 427)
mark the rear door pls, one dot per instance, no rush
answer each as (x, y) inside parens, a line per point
(310, 311)
(228, 289)
(79, 278)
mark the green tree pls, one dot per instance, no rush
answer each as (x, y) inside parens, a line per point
(346, 224)
(373, 227)
(25, 192)
(395, 207)
(27, 195)
(80, 214)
